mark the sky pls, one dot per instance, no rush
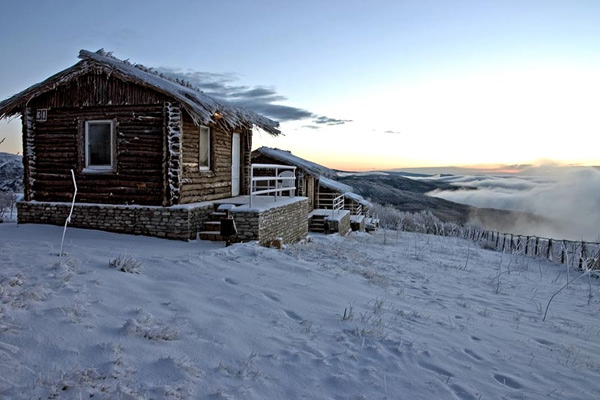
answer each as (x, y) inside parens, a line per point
(356, 85)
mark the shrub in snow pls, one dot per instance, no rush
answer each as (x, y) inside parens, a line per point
(8, 200)
(126, 264)
(423, 222)
(147, 327)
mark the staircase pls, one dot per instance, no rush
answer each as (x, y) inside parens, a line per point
(212, 227)
(317, 224)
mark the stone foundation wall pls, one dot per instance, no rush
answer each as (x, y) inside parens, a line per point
(246, 223)
(342, 226)
(358, 224)
(289, 222)
(181, 223)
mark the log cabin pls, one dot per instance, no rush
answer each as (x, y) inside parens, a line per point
(148, 153)
(323, 191)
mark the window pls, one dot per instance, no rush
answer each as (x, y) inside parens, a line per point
(99, 145)
(204, 148)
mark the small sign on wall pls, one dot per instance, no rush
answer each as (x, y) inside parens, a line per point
(41, 115)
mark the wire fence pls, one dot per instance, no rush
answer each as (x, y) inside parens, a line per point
(575, 254)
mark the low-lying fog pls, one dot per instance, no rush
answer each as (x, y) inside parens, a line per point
(568, 198)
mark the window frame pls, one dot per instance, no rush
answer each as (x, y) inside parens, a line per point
(201, 167)
(99, 168)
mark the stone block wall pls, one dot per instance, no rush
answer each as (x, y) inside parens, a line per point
(341, 225)
(246, 223)
(181, 223)
(357, 223)
(289, 222)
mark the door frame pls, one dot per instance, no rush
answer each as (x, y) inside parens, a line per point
(235, 171)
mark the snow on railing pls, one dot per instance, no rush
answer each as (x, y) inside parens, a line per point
(354, 208)
(331, 201)
(282, 179)
(358, 210)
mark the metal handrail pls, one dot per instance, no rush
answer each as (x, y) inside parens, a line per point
(277, 187)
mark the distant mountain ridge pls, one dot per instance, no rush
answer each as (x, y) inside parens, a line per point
(407, 194)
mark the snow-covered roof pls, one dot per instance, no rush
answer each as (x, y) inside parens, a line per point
(287, 157)
(204, 109)
(334, 185)
(359, 199)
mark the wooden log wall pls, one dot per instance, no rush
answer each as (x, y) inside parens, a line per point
(96, 88)
(199, 185)
(58, 143)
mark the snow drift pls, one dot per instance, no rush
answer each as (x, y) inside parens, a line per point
(420, 317)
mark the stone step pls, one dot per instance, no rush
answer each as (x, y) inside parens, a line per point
(212, 226)
(211, 235)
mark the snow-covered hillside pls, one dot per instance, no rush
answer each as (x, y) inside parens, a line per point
(11, 173)
(357, 317)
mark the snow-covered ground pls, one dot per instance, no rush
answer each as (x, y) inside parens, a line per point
(416, 317)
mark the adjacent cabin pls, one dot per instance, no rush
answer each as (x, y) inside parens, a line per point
(332, 205)
(148, 154)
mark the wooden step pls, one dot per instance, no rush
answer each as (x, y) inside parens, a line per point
(213, 226)
(217, 215)
(211, 235)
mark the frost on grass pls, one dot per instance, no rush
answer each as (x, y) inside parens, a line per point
(15, 293)
(146, 326)
(126, 264)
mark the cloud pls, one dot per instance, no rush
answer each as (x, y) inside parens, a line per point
(510, 183)
(393, 132)
(322, 120)
(261, 99)
(568, 199)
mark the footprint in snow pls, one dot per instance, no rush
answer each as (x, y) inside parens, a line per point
(473, 354)
(271, 296)
(544, 342)
(434, 368)
(475, 338)
(292, 315)
(508, 381)
(461, 393)
(230, 281)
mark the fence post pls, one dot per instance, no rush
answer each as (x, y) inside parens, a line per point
(562, 253)
(582, 255)
(537, 246)
(549, 250)
(526, 245)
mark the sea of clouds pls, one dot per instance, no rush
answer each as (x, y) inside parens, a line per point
(568, 199)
